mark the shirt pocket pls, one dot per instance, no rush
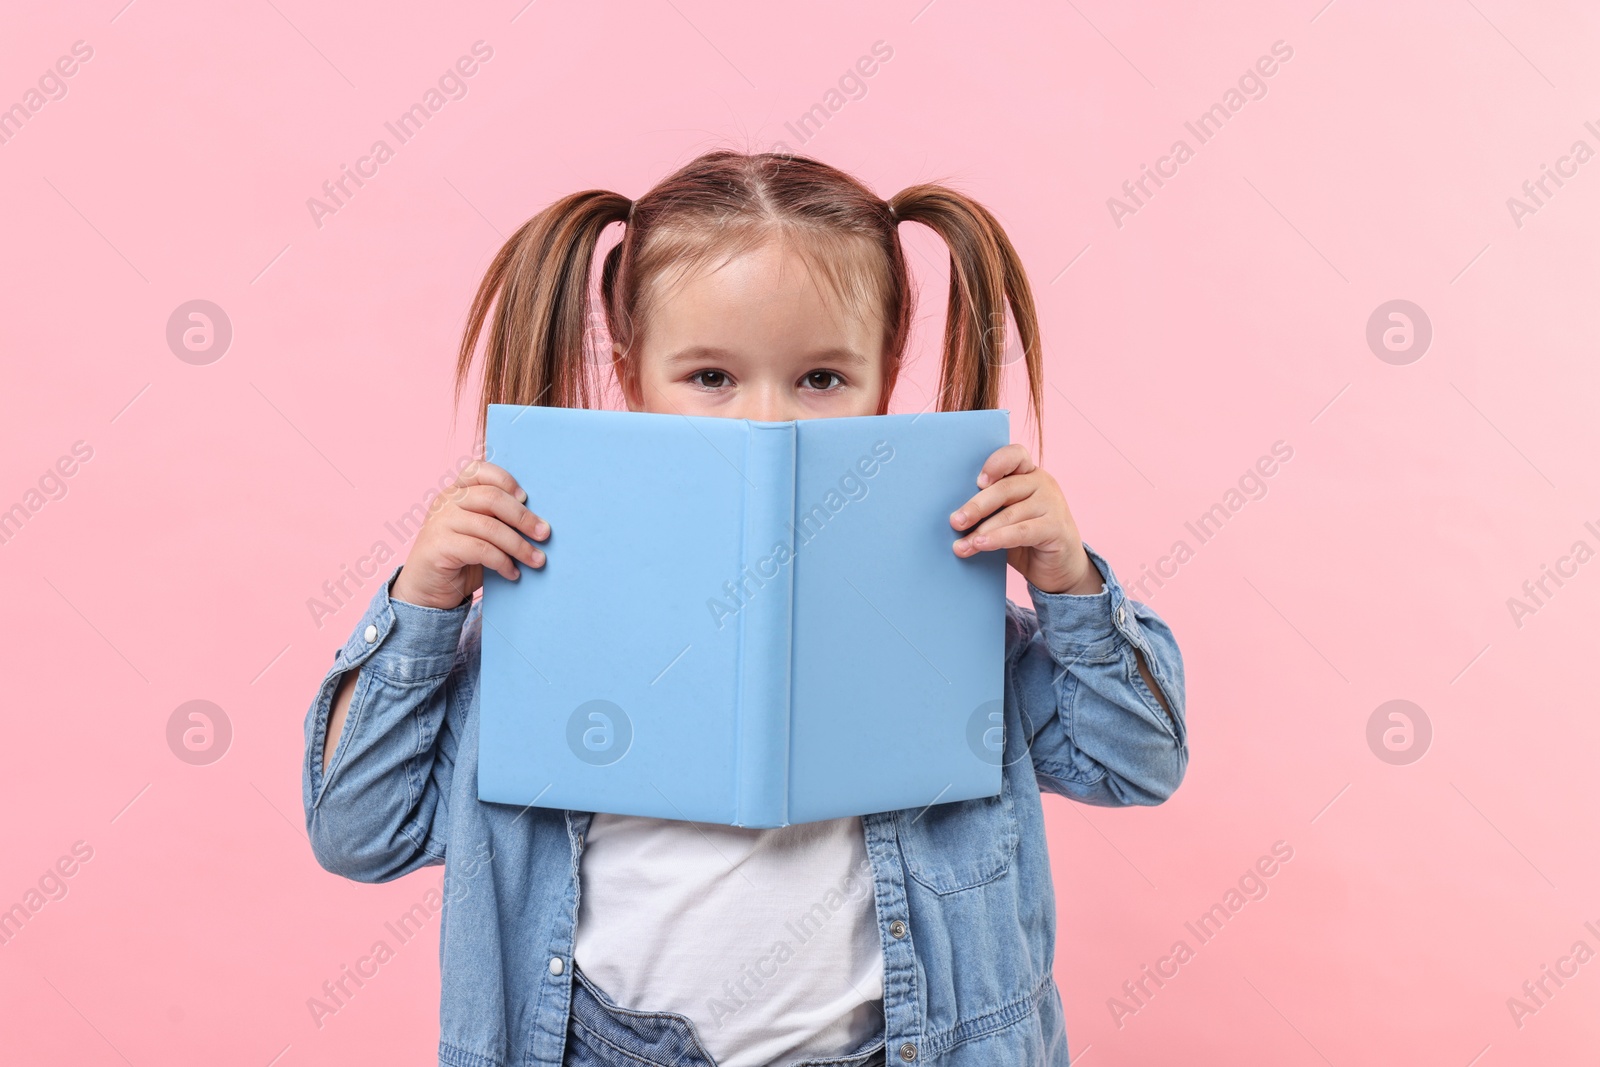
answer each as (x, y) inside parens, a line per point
(960, 845)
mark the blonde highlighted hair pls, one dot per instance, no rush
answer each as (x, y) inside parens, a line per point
(719, 206)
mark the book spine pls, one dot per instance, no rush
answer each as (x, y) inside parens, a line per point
(767, 573)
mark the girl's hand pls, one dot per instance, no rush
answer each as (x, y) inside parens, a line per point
(477, 523)
(1033, 524)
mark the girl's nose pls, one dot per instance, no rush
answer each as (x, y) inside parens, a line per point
(765, 407)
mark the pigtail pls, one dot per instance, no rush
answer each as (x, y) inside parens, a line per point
(535, 352)
(985, 275)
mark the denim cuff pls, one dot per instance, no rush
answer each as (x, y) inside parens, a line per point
(1076, 625)
(403, 641)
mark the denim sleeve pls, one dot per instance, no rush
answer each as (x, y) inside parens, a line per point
(381, 809)
(1095, 730)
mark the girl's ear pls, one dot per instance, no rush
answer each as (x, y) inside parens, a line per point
(625, 379)
(891, 375)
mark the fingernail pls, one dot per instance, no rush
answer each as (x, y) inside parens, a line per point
(542, 531)
(522, 494)
(960, 545)
(959, 518)
(983, 479)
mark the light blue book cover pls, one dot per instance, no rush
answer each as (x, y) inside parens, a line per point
(739, 622)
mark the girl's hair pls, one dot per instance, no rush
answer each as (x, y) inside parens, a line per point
(541, 344)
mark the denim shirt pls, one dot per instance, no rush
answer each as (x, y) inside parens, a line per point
(965, 905)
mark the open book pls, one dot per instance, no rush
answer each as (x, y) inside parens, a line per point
(738, 622)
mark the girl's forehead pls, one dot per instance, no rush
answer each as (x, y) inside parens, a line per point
(774, 285)
(769, 323)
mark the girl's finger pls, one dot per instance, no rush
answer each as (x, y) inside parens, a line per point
(468, 551)
(494, 501)
(1007, 490)
(497, 533)
(1030, 507)
(1009, 459)
(1025, 534)
(482, 472)
(981, 539)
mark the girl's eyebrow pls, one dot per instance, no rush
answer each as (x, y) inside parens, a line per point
(696, 353)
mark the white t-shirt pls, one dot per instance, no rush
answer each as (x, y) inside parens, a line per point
(766, 939)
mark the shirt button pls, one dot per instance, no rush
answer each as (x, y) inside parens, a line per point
(372, 633)
(556, 965)
(908, 1052)
(1122, 615)
(897, 928)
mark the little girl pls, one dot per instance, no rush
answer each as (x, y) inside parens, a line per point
(765, 287)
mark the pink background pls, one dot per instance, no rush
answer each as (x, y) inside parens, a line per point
(1229, 312)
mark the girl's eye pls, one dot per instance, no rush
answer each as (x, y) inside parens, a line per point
(717, 378)
(827, 378)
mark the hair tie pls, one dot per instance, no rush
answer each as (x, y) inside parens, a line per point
(630, 209)
(890, 205)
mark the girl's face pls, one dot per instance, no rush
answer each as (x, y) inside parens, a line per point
(758, 339)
